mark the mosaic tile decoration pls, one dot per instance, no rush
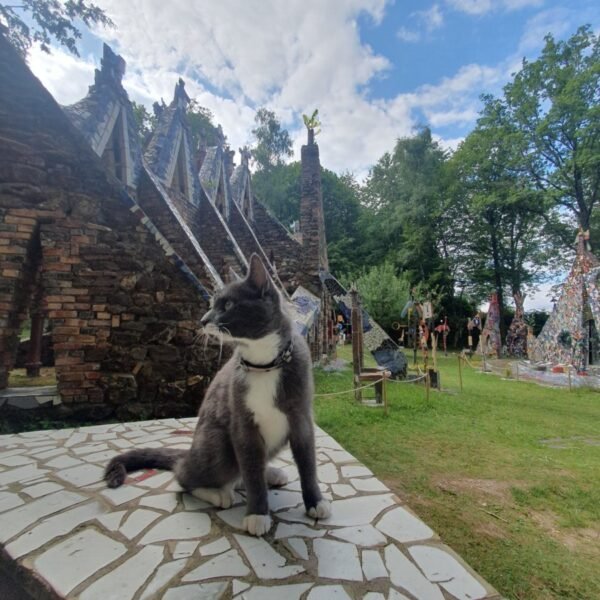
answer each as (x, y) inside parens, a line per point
(490, 339)
(147, 539)
(564, 337)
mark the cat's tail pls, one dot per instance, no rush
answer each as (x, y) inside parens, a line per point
(143, 458)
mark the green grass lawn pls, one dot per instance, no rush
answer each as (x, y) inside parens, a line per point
(508, 473)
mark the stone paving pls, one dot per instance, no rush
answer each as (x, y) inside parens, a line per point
(72, 537)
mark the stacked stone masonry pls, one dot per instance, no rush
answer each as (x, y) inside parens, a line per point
(65, 535)
(123, 313)
(120, 249)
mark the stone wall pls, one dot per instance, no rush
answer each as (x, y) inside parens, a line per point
(312, 222)
(123, 313)
(279, 244)
(208, 229)
(163, 212)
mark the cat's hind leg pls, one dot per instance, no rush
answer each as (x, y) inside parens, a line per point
(209, 475)
(276, 477)
(221, 497)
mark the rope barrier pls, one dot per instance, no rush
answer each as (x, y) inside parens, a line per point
(407, 380)
(464, 357)
(364, 387)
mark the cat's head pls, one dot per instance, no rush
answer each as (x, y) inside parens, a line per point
(246, 309)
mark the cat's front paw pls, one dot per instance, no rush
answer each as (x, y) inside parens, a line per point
(321, 511)
(257, 524)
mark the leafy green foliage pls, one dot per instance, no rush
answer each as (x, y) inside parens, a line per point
(383, 293)
(504, 246)
(554, 103)
(201, 122)
(312, 122)
(144, 119)
(279, 189)
(273, 143)
(404, 193)
(49, 20)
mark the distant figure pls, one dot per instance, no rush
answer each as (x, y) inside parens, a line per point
(474, 328)
(443, 329)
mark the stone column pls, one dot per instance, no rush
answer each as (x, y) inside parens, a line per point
(312, 222)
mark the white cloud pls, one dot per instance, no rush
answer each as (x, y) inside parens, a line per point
(65, 76)
(540, 298)
(556, 21)
(407, 35)
(481, 7)
(236, 56)
(429, 20)
(432, 18)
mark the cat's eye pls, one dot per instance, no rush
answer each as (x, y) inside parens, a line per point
(229, 304)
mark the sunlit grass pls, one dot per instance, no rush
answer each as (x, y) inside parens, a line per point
(478, 466)
(19, 378)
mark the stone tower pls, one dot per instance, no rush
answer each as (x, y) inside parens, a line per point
(314, 242)
(312, 222)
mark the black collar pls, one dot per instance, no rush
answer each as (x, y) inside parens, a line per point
(285, 356)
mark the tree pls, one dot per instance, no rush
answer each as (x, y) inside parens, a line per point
(404, 193)
(204, 131)
(41, 21)
(144, 119)
(554, 102)
(504, 246)
(383, 292)
(279, 189)
(273, 143)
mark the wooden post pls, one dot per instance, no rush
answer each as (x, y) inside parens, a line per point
(517, 370)
(356, 343)
(569, 372)
(460, 372)
(384, 392)
(427, 385)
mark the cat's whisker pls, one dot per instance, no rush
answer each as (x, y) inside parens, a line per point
(220, 346)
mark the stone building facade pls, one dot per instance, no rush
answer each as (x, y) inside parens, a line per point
(119, 248)
(118, 245)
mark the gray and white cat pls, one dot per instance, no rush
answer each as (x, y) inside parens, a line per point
(260, 400)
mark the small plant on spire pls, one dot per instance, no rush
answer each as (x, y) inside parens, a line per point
(313, 125)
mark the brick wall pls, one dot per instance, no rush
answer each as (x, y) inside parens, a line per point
(122, 313)
(277, 242)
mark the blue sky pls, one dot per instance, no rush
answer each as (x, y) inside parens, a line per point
(376, 69)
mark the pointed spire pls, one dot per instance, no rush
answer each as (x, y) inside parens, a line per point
(112, 68)
(245, 155)
(221, 139)
(180, 97)
(158, 108)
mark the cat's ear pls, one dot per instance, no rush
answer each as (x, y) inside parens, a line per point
(257, 274)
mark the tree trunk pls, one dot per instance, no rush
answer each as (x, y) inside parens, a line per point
(498, 281)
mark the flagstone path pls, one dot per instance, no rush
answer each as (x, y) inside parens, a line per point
(68, 536)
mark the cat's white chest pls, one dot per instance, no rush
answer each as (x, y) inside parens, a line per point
(260, 400)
